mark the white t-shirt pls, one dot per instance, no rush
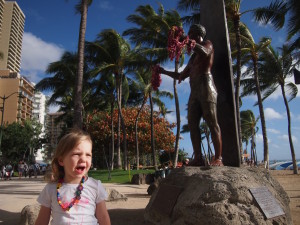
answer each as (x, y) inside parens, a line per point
(81, 213)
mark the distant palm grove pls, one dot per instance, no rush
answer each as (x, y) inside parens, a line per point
(105, 87)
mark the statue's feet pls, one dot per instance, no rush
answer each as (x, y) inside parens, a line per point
(217, 162)
(196, 162)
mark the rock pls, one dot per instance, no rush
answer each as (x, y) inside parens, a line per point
(29, 214)
(114, 195)
(150, 178)
(218, 195)
(138, 179)
(152, 187)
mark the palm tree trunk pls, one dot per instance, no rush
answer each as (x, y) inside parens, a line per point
(78, 107)
(119, 164)
(238, 80)
(152, 133)
(136, 135)
(176, 150)
(262, 116)
(122, 123)
(295, 167)
(112, 152)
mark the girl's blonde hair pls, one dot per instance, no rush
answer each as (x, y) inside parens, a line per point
(66, 144)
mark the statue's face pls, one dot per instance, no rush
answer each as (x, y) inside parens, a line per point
(192, 34)
(195, 35)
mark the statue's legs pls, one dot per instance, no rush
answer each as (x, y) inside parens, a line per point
(194, 117)
(210, 116)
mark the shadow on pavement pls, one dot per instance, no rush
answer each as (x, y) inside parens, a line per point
(127, 216)
(9, 218)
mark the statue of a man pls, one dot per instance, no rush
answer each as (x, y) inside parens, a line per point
(203, 97)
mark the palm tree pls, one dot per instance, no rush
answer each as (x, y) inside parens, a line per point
(62, 83)
(233, 15)
(82, 8)
(277, 13)
(152, 32)
(275, 69)
(105, 90)
(249, 130)
(110, 53)
(250, 53)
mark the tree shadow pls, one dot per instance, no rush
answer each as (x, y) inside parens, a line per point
(127, 216)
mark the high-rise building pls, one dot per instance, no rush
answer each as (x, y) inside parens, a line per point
(12, 21)
(39, 108)
(15, 109)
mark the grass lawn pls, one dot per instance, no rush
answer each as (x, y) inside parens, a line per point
(117, 176)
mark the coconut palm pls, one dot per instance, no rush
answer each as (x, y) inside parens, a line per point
(275, 69)
(82, 8)
(249, 130)
(250, 53)
(143, 81)
(277, 13)
(152, 34)
(233, 15)
(62, 83)
(105, 90)
(110, 53)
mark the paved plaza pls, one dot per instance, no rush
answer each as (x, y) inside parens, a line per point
(15, 194)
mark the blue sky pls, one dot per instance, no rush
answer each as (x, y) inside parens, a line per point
(51, 27)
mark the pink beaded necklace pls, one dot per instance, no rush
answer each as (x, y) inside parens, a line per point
(75, 200)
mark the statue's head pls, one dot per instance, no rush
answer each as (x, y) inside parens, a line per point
(198, 30)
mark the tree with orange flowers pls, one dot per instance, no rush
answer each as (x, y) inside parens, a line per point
(100, 130)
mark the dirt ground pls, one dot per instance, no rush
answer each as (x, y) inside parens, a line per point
(291, 184)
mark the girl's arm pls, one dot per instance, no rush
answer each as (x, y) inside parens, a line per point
(44, 216)
(102, 214)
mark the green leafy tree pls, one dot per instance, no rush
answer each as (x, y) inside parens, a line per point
(21, 141)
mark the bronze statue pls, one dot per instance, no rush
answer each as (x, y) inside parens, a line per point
(203, 97)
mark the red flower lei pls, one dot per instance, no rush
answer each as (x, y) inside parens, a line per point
(75, 200)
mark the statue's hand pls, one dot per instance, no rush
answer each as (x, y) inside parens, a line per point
(180, 79)
(161, 70)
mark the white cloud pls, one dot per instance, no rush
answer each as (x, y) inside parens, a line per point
(171, 117)
(285, 137)
(105, 5)
(37, 55)
(274, 131)
(259, 138)
(271, 114)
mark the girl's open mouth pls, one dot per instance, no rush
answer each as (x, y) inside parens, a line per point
(80, 169)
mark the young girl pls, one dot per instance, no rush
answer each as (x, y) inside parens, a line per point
(74, 198)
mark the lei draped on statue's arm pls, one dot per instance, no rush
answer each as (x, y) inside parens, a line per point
(177, 41)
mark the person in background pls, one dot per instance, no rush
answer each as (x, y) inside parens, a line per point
(36, 169)
(21, 169)
(2, 172)
(25, 169)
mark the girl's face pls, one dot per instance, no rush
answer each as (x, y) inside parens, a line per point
(77, 162)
